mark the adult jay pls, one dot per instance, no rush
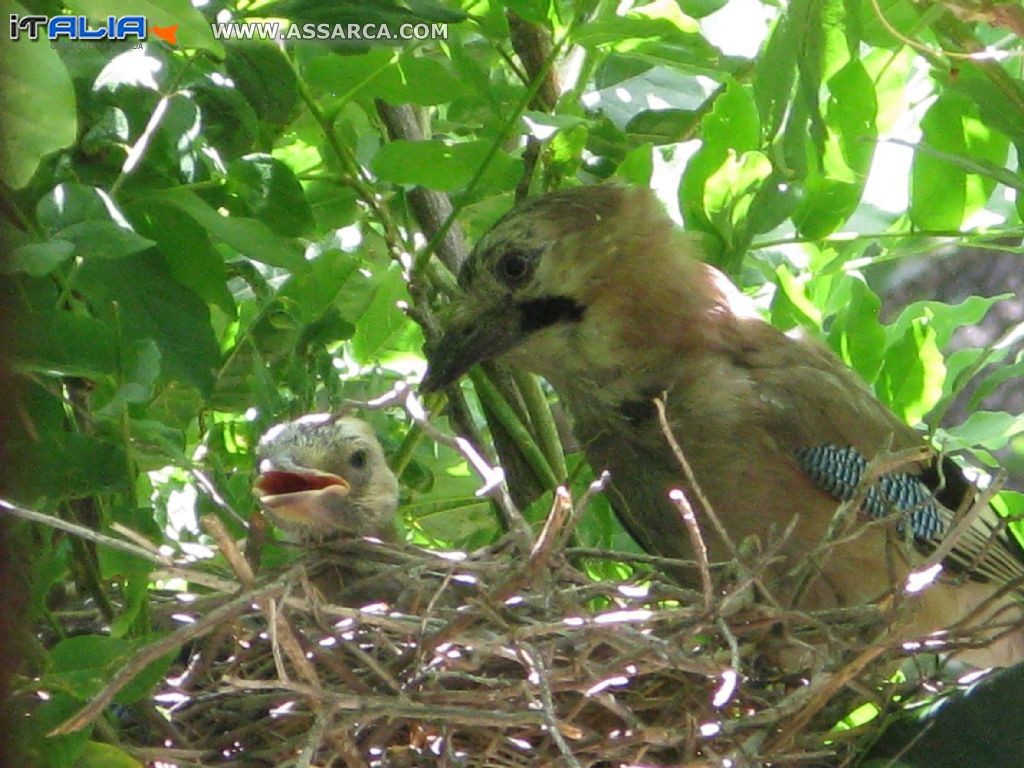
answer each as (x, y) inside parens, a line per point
(597, 290)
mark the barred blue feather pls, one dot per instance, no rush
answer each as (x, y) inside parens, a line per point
(839, 471)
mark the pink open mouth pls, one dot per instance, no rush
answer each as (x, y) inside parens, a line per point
(278, 483)
(300, 498)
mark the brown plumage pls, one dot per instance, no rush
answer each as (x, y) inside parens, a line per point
(599, 292)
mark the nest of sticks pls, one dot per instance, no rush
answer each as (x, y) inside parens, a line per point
(364, 653)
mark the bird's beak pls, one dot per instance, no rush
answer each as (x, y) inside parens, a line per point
(473, 338)
(304, 500)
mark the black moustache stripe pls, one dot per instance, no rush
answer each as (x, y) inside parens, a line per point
(541, 313)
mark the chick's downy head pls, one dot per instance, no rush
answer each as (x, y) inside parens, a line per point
(325, 476)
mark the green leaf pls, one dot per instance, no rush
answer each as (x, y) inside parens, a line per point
(383, 322)
(133, 573)
(38, 259)
(910, 381)
(63, 343)
(268, 191)
(534, 11)
(457, 520)
(998, 98)
(775, 75)
(729, 130)
(988, 429)
(616, 68)
(852, 108)
(418, 80)
(187, 250)
(249, 237)
(445, 167)
(141, 367)
(37, 104)
(1013, 372)
(729, 194)
(380, 73)
(656, 41)
(987, 155)
(901, 15)
(661, 126)
(791, 306)
(701, 8)
(943, 319)
(733, 123)
(334, 205)
(38, 749)
(565, 150)
(61, 464)
(103, 240)
(83, 665)
(68, 204)
(834, 184)
(308, 295)
(49, 564)
(229, 122)
(140, 295)
(638, 166)
(938, 191)
(344, 76)
(1011, 504)
(67, 466)
(99, 755)
(991, 145)
(110, 134)
(264, 76)
(856, 333)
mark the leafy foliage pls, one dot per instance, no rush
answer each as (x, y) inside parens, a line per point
(210, 237)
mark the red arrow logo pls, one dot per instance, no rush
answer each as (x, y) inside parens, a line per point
(170, 34)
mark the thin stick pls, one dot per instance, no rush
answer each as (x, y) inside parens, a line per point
(555, 528)
(677, 497)
(831, 685)
(281, 634)
(705, 503)
(532, 658)
(84, 533)
(165, 645)
(135, 536)
(391, 707)
(313, 740)
(207, 485)
(639, 557)
(691, 480)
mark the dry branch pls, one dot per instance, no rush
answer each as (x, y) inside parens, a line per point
(498, 659)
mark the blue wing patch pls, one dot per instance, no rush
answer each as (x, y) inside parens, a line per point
(838, 472)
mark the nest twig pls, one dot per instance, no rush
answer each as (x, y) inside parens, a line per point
(376, 654)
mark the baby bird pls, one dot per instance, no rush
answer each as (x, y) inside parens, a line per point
(324, 476)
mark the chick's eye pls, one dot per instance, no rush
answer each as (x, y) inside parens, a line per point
(358, 459)
(513, 267)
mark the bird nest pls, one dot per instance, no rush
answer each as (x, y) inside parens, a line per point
(514, 656)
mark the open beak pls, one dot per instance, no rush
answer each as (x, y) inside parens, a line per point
(471, 339)
(304, 500)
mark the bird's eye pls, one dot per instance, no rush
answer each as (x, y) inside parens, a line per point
(358, 459)
(513, 267)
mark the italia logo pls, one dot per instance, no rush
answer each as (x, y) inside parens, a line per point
(80, 28)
